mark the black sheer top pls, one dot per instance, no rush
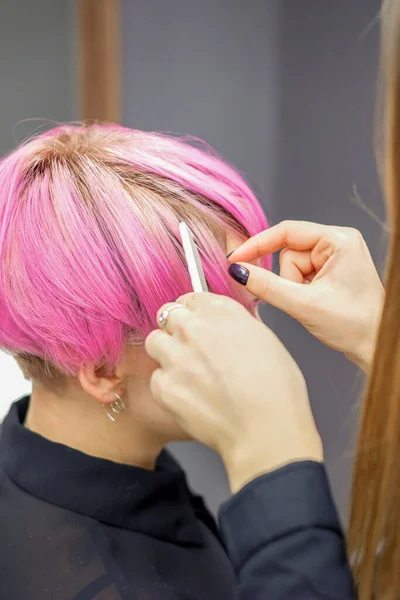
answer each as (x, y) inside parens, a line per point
(73, 526)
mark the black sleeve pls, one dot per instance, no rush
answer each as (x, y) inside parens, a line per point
(283, 536)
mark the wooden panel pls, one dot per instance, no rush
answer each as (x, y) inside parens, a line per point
(99, 58)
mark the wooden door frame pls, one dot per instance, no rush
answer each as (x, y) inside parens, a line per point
(99, 59)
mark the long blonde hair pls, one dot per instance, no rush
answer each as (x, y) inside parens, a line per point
(374, 538)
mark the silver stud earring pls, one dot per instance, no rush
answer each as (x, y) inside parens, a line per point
(117, 407)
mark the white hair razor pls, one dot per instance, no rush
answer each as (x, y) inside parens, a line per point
(193, 261)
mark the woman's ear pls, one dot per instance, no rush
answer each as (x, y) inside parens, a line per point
(101, 382)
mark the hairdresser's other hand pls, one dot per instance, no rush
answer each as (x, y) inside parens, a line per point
(233, 386)
(327, 281)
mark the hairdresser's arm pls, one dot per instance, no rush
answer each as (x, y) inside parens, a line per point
(327, 281)
(233, 386)
(284, 537)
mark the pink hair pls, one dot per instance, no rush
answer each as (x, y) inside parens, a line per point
(89, 244)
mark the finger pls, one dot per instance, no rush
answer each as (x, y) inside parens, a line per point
(286, 295)
(196, 302)
(295, 265)
(156, 386)
(298, 235)
(160, 388)
(170, 314)
(189, 300)
(163, 348)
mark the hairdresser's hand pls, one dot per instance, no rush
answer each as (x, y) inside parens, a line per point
(327, 281)
(232, 385)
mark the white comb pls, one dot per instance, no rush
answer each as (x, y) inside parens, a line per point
(193, 261)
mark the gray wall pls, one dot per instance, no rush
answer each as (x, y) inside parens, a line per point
(206, 68)
(328, 62)
(284, 90)
(36, 67)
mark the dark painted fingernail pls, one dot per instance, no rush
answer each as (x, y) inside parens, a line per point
(230, 254)
(239, 273)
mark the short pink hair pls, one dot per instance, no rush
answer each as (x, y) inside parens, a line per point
(89, 243)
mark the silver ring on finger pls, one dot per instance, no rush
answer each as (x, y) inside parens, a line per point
(164, 316)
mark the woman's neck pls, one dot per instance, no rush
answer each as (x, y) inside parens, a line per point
(80, 422)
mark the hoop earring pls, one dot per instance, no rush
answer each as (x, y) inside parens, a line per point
(116, 407)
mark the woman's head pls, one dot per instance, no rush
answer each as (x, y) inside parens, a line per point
(89, 242)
